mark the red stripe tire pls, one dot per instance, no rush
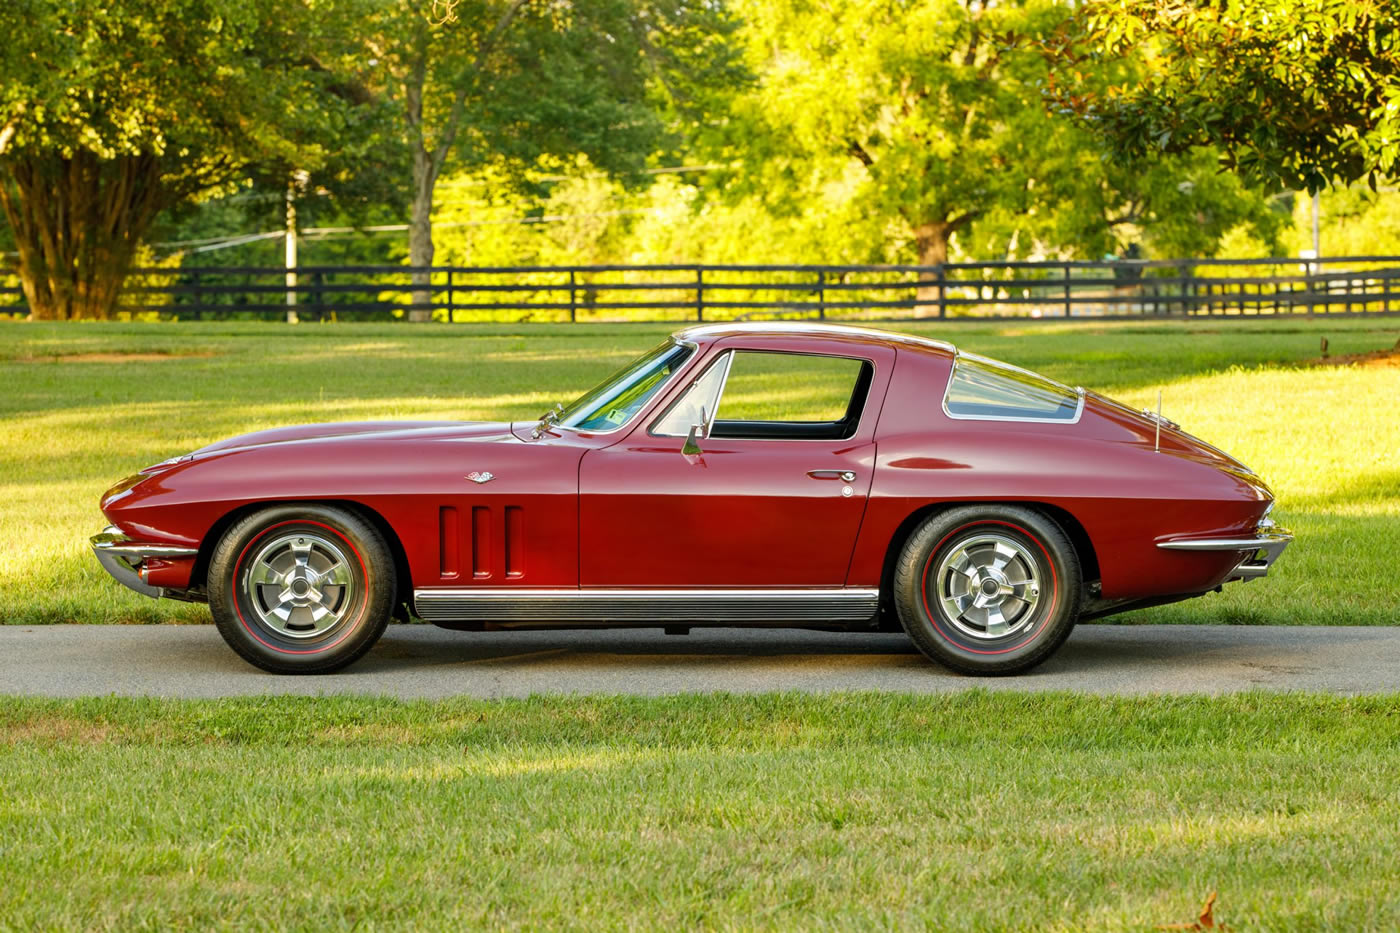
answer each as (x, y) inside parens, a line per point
(988, 589)
(301, 589)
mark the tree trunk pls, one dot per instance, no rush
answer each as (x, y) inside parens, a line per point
(420, 234)
(77, 221)
(932, 241)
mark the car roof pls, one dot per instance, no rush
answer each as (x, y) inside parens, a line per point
(845, 332)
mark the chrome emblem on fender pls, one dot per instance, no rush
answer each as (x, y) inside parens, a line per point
(476, 477)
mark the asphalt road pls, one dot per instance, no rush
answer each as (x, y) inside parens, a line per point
(424, 661)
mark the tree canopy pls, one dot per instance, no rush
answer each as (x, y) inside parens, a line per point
(1295, 93)
(666, 130)
(505, 83)
(113, 113)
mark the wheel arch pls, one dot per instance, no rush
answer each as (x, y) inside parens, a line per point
(403, 578)
(1072, 527)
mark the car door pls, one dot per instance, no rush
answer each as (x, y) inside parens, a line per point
(770, 492)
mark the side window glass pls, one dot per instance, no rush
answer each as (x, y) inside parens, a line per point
(697, 404)
(788, 387)
(791, 395)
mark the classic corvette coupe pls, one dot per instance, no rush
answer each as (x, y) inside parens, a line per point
(736, 475)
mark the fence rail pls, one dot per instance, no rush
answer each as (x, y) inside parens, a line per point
(989, 290)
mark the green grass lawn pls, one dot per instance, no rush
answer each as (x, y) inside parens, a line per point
(970, 811)
(88, 404)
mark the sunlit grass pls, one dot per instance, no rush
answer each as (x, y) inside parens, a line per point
(1326, 439)
(969, 811)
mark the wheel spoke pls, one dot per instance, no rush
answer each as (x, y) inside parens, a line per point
(996, 622)
(264, 574)
(337, 575)
(957, 605)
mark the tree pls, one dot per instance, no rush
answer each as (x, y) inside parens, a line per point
(938, 101)
(941, 107)
(1295, 93)
(112, 113)
(502, 83)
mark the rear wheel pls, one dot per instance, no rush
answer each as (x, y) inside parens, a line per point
(301, 589)
(988, 589)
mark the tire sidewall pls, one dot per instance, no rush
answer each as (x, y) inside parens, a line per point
(927, 623)
(372, 571)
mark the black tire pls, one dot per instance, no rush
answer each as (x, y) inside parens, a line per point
(328, 570)
(1028, 625)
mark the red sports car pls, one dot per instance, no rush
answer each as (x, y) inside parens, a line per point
(737, 474)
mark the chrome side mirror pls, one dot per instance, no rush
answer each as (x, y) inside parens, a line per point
(691, 447)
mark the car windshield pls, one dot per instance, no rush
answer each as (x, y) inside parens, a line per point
(616, 399)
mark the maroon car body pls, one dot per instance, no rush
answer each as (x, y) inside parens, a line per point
(528, 524)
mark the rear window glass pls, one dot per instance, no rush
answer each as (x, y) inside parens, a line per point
(983, 388)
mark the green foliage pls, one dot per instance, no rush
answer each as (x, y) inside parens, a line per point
(1297, 93)
(1356, 221)
(922, 128)
(208, 87)
(856, 131)
(504, 84)
(130, 109)
(932, 99)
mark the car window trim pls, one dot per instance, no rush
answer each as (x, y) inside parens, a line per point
(731, 351)
(690, 345)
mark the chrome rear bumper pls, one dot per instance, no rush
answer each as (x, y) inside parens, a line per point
(1260, 550)
(121, 557)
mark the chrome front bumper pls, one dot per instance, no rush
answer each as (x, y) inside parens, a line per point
(122, 558)
(1259, 550)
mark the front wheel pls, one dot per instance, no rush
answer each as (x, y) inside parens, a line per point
(301, 589)
(988, 589)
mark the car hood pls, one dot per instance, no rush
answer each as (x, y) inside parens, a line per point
(385, 430)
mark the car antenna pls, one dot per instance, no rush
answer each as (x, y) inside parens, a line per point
(1157, 444)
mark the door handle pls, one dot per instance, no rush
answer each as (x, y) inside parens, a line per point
(845, 476)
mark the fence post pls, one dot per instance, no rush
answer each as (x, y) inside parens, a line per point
(318, 296)
(1068, 296)
(821, 294)
(196, 296)
(451, 299)
(1385, 293)
(699, 293)
(1187, 288)
(573, 299)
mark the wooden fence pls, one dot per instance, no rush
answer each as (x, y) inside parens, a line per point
(990, 290)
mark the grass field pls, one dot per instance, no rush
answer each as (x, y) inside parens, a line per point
(973, 811)
(88, 404)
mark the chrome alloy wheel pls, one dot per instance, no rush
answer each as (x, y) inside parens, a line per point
(300, 585)
(988, 585)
